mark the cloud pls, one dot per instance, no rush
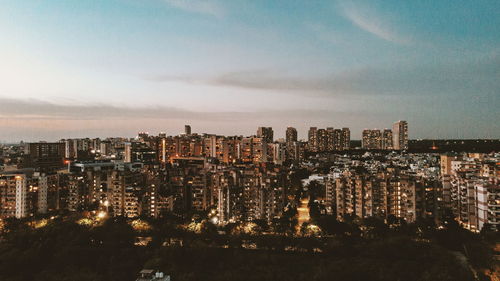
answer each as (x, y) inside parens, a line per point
(369, 21)
(39, 120)
(207, 7)
(42, 110)
(477, 77)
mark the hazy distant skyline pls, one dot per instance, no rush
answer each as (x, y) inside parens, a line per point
(112, 68)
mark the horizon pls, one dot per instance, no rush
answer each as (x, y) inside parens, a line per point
(276, 138)
(87, 68)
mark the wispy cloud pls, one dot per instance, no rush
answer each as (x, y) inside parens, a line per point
(206, 7)
(42, 110)
(368, 20)
(469, 78)
(40, 120)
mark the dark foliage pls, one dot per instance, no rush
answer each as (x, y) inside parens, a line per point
(351, 250)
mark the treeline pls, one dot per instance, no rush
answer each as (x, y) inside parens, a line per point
(355, 249)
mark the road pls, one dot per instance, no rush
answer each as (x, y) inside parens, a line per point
(303, 212)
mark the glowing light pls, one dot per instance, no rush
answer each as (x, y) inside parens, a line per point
(101, 215)
(140, 225)
(85, 222)
(40, 223)
(194, 227)
(215, 220)
(303, 213)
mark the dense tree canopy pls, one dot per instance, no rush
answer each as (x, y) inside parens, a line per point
(354, 249)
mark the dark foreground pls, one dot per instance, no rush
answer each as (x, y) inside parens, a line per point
(67, 251)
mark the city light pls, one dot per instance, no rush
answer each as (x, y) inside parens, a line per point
(140, 225)
(215, 220)
(169, 140)
(101, 215)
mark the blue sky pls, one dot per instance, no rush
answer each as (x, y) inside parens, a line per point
(102, 68)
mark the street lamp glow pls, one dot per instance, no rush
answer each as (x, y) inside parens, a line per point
(101, 215)
(215, 220)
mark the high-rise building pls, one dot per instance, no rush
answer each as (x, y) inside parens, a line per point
(400, 135)
(372, 139)
(473, 189)
(387, 139)
(13, 195)
(346, 138)
(139, 152)
(44, 155)
(322, 140)
(266, 133)
(330, 146)
(143, 135)
(187, 129)
(312, 141)
(127, 157)
(291, 136)
(328, 140)
(259, 150)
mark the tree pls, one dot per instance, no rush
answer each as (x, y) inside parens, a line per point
(374, 228)
(114, 233)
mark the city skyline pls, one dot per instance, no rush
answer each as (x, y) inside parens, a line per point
(275, 135)
(160, 140)
(75, 69)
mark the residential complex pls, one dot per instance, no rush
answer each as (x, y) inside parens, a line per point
(247, 178)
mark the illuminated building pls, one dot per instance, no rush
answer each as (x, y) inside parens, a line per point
(372, 139)
(346, 139)
(312, 142)
(474, 189)
(44, 155)
(322, 140)
(139, 152)
(259, 150)
(266, 133)
(13, 195)
(291, 137)
(387, 139)
(400, 135)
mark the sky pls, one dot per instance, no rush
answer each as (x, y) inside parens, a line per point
(94, 68)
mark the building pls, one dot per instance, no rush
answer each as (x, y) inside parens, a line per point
(372, 139)
(266, 133)
(139, 151)
(329, 139)
(44, 155)
(474, 189)
(291, 137)
(259, 150)
(400, 135)
(297, 151)
(346, 139)
(152, 275)
(387, 139)
(322, 140)
(112, 187)
(312, 140)
(187, 130)
(13, 195)
(445, 176)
